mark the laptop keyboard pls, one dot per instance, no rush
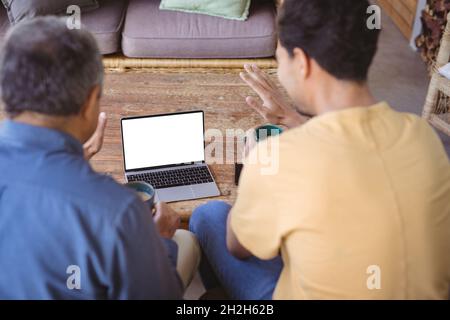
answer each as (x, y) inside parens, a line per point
(174, 178)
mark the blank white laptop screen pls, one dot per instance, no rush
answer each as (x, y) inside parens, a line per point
(163, 140)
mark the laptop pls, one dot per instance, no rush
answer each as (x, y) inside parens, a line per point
(168, 152)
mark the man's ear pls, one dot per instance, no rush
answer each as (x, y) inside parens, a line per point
(302, 62)
(91, 101)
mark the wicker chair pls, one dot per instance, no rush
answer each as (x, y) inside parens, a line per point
(437, 105)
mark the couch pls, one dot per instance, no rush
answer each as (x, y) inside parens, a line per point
(138, 29)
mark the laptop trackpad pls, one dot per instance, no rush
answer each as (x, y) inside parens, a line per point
(174, 194)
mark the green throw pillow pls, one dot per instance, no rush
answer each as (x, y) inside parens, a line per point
(23, 9)
(228, 9)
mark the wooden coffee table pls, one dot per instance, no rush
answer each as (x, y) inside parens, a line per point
(220, 93)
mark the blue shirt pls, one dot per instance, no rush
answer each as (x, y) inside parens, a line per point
(61, 222)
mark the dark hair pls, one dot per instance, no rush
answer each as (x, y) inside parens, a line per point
(47, 68)
(332, 32)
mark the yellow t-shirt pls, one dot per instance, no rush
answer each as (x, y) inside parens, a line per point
(359, 207)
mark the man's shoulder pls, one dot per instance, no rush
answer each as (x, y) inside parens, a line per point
(99, 196)
(108, 191)
(331, 128)
(101, 190)
(72, 181)
(415, 123)
(413, 130)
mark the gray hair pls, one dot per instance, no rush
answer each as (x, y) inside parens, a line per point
(47, 68)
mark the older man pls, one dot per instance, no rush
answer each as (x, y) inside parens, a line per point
(66, 231)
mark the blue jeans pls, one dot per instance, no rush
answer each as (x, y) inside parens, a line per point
(251, 279)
